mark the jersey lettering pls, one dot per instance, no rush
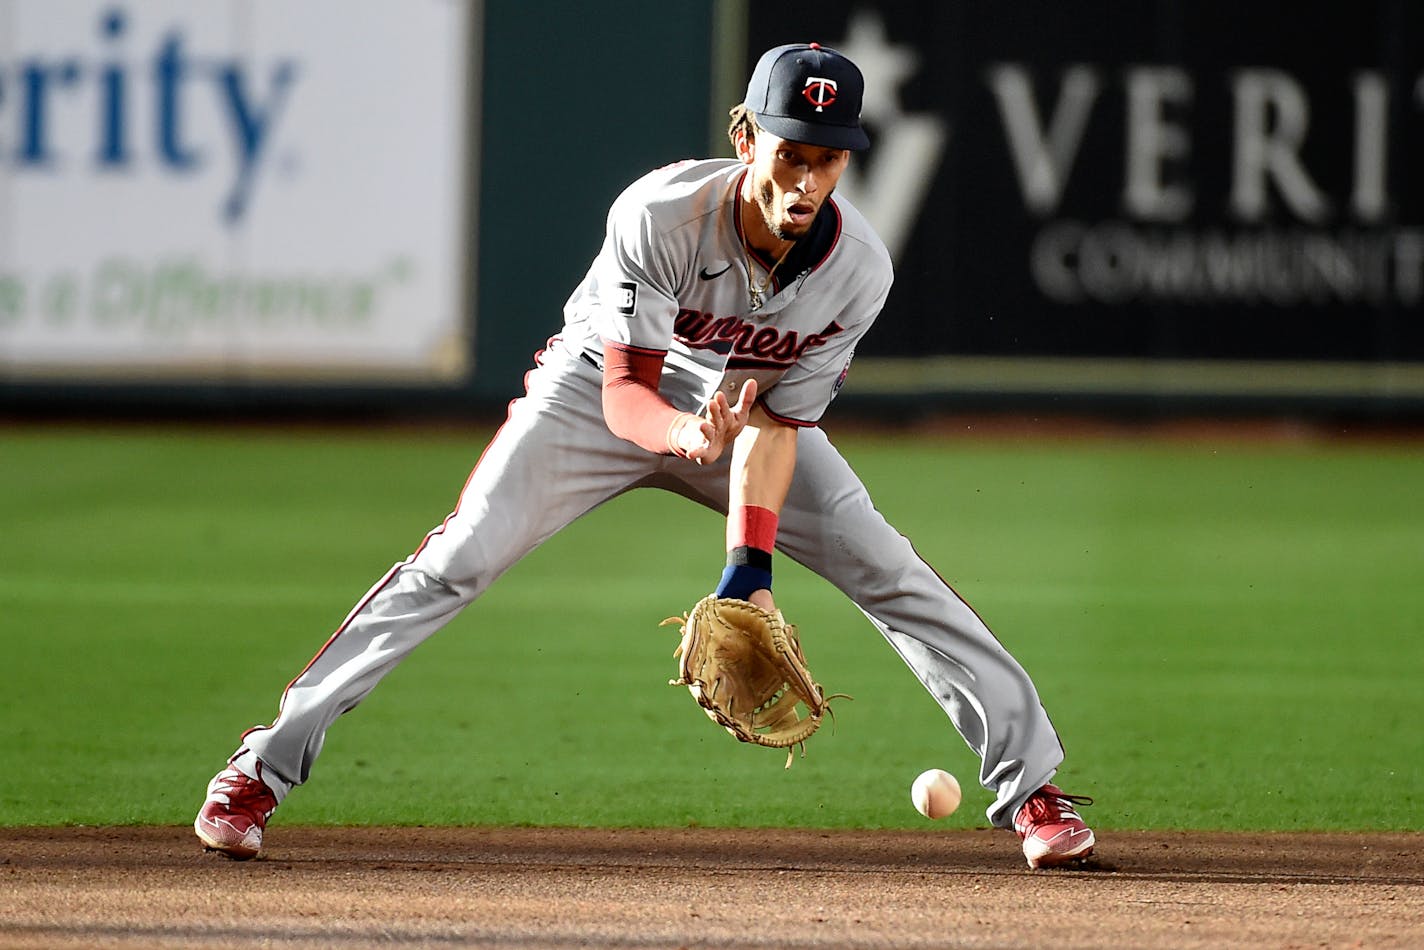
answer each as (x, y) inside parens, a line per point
(735, 337)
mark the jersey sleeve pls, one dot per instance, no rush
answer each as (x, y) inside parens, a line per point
(634, 282)
(803, 394)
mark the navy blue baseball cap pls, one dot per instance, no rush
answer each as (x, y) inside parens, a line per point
(808, 93)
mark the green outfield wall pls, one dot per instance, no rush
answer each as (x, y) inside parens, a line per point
(373, 206)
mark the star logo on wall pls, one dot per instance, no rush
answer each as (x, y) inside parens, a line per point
(889, 184)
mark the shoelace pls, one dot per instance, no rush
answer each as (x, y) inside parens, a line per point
(245, 793)
(1051, 804)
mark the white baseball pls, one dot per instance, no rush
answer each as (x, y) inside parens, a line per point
(935, 793)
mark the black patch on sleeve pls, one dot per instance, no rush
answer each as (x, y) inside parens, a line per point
(627, 297)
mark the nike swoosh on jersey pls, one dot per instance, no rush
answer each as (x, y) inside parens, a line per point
(703, 275)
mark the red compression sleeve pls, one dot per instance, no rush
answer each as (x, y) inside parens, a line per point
(632, 406)
(752, 526)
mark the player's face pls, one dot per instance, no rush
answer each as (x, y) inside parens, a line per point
(791, 180)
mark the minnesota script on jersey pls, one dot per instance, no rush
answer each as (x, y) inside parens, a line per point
(672, 276)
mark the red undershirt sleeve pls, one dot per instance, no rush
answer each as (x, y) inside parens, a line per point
(632, 406)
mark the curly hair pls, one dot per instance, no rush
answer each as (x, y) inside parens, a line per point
(743, 120)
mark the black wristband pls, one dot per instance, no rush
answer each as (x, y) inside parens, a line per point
(747, 556)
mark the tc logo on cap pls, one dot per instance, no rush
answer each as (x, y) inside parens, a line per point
(820, 92)
(805, 93)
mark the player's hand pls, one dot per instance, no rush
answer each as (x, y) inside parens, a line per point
(722, 424)
(762, 598)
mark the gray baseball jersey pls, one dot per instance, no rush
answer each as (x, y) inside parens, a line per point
(673, 276)
(673, 273)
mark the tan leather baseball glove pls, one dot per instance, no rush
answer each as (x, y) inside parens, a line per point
(745, 668)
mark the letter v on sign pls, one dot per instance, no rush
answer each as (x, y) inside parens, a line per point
(1041, 160)
(891, 193)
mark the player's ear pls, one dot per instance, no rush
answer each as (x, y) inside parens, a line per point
(746, 146)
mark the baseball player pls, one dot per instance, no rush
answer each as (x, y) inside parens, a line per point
(698, 355)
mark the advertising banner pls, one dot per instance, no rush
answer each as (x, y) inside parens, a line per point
(1174, 196)
(235, 190)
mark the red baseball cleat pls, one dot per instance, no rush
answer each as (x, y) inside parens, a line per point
(1053, 833)
(234, 815)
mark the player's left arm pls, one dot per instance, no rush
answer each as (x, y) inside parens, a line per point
(763, 461)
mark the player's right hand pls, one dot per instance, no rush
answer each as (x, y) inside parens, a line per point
(705, 442)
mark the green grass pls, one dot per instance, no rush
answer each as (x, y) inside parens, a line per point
(1226, 635)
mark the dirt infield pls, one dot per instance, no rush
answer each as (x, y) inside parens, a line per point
(557, 888)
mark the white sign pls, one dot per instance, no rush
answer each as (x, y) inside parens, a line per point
(235, 189)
